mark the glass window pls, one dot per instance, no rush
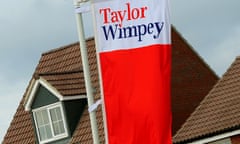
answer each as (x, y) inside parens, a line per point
(50, 124)
(43, 124)
(58, 126)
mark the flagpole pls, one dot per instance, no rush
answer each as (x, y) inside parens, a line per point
(99, 74)
(86, 72)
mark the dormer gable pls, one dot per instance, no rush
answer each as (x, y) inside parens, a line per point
(41, 86)
(50, 93)
(55, 116)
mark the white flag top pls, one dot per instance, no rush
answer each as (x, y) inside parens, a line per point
(129, 24)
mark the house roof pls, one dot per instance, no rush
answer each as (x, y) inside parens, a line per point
(62, 68)
(191, 77)
(67, 83)
(218, 113)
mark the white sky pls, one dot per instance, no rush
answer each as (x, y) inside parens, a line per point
(31, 27)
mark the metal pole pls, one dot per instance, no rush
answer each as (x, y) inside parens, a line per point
(99, 74)
(86, 72)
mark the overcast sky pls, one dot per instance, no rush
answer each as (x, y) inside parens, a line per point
(31, 27)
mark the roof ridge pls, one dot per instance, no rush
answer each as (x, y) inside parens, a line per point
(202, 60)
(59, 48)
(64, 47)
(230, 67)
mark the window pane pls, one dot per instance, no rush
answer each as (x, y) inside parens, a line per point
(39, 118)
(61, 127)
(58, 113)
(56, 128)
(45, 132)
(43, 125)
(56, 116)
(45, 117)
(42, 117)
(48, 131)
(49, 123)
(53, 115)
(42, 133)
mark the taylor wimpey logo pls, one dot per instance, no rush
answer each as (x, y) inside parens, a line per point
(113, 27)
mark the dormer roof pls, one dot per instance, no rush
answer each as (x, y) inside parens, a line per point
(63, 86)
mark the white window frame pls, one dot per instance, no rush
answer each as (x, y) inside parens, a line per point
(55, 137)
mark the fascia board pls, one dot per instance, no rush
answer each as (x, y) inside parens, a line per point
(217, 137)
(50, 88)
(44, 83)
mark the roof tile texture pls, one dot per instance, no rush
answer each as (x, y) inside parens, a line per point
(218, 112)
(64, 59)
(192, 79)
(21, 129)
(68, 84)
(62, 68)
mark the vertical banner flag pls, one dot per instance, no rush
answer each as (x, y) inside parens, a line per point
(134, 48)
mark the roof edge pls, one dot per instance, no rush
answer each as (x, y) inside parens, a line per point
(59, 48)
(75, 97)
(217, 137)
(212, 134)
(65, 46)
(195, 52)
(31, 95)
(41, 81)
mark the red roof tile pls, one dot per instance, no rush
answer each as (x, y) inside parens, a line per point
(65, 59)
(191, 80)
(219, 112)
(21, 128)
(68, 84)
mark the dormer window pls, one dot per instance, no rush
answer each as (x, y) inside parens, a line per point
(50, 123)
(55, 116)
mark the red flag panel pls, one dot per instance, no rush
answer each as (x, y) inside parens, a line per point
(134, 48)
